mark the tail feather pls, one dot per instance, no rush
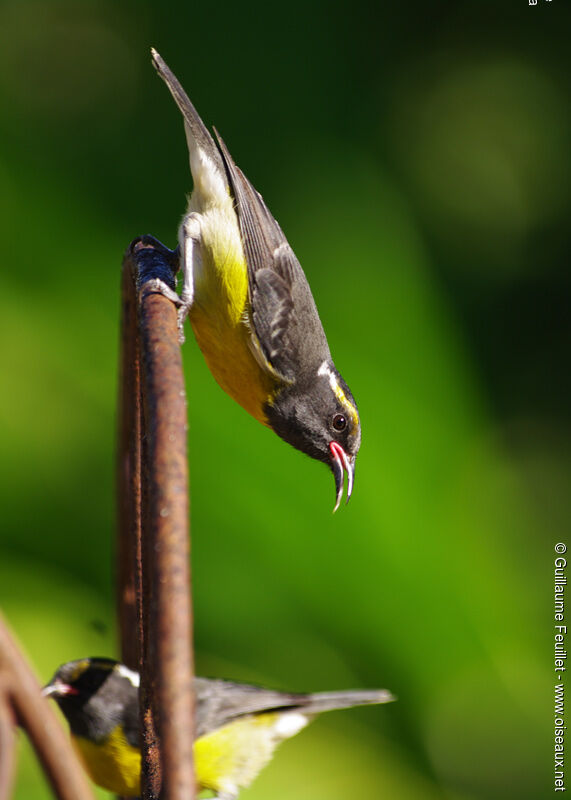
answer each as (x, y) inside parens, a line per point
(200, 142)
(328, 701)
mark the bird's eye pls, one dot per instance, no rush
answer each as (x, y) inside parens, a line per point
(339, 422)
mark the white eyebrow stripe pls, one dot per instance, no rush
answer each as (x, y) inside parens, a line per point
(132, 677)
(325, 370)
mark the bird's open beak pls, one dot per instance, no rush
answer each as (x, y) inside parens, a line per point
(341, 463)
(58, 689)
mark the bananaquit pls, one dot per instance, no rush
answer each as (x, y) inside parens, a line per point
(251, 308)
(238, 726)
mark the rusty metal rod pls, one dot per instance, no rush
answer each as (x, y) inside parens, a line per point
(7, 738)
(129, 472)
(158, 496)
(129, 502)
(32, 712)
(148, 657)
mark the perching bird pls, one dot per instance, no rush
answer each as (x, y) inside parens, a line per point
(251, 308)
(238, 726)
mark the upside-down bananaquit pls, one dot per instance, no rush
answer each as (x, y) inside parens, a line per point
(251, 308)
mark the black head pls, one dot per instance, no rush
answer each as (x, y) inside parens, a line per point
(95, 695)
(320, 418)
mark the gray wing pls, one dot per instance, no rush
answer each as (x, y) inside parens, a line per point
(218, 702)
(284, 314)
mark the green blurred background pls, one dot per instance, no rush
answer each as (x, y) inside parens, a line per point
(417, 157)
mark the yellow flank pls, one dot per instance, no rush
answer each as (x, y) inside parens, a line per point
(115, 764)
(220, 315)
(230, 757)
(227, 759)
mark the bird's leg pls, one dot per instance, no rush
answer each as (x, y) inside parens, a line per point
(190, 261)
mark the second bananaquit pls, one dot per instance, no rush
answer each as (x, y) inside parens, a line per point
(251, 308)
(238, 726)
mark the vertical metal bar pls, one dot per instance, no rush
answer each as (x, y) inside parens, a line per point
(129, 473)
(130, 509)
(149, 660)
(170, 618)
(165, 634)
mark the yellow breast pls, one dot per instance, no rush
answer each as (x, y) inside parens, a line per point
(220, 316)
(115, 765)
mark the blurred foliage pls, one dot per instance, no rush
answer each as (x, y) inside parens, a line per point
(417, 158)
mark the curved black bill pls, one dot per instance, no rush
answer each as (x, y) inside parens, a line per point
(341, 463)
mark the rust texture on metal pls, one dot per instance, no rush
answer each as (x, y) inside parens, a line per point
(129, 473)
(7, 738)
(21, 702)
(153, 545)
